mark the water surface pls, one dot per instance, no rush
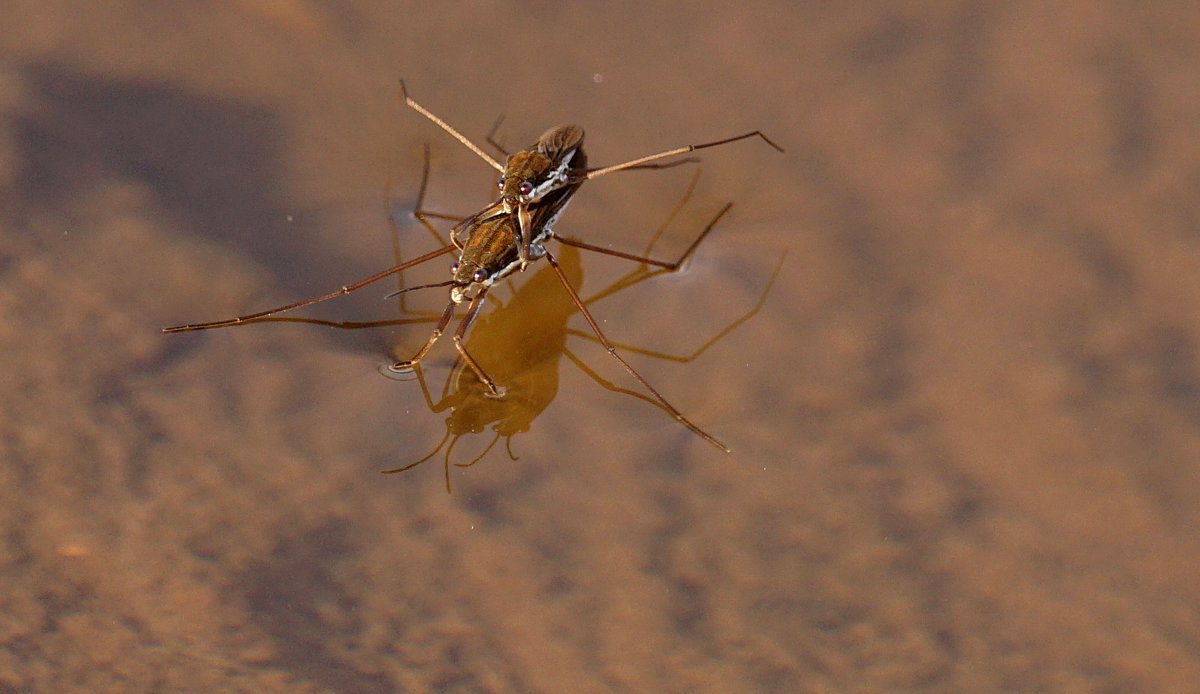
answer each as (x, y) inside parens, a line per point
(965, 421)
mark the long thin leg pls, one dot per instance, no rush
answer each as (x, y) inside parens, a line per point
(642, 274)
(418, 211)
(669, 267)
(425, 389)
(491, 138)
(446, 126)
(665, 165)
(641, 162)
(344, 290)
(419, 214)
(762, 299)
(433, 337)
(460, 335)
(406, 290)
(353, 324)
(604, 382)
(613, 351)
(662, 228)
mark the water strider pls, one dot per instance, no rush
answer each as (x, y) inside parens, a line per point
(536, 184)
(555, 163)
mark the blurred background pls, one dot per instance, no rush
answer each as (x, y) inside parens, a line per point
(965, 420)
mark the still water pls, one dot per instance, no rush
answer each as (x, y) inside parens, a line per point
(950, 335)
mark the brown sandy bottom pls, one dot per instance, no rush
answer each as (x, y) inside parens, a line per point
(966, 421)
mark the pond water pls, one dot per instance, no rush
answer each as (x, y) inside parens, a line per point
(950, 336)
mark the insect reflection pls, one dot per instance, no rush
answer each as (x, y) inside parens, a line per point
(532, 328)
(531, 331)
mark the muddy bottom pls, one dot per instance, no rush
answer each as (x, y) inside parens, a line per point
(950, 337)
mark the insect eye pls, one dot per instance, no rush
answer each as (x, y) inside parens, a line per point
(526, 188)
(454, 268)
(500, 183)
(480, 275)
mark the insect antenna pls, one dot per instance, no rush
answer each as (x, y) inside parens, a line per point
(448, 128)
(405, 290)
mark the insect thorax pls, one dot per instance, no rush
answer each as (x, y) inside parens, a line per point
(545, 166)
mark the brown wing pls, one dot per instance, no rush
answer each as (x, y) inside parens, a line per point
(555, 143)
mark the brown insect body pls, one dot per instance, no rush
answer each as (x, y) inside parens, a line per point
(498, 243)
(542, 171)
(489, 255)
(545, 165)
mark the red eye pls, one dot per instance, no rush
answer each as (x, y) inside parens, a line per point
(526, 188)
